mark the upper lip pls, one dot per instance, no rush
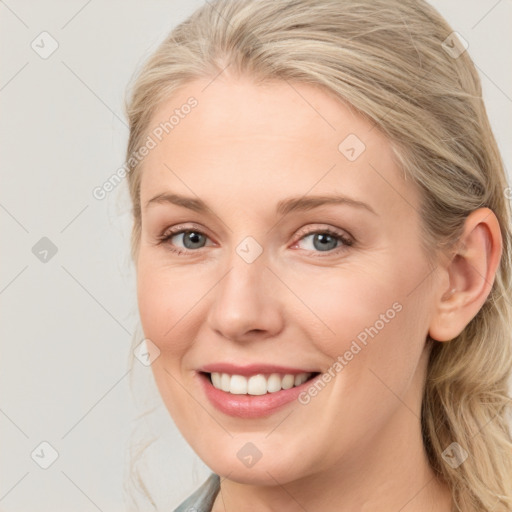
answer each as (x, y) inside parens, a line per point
(251, 369)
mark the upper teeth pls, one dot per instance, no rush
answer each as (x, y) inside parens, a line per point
(257, 384)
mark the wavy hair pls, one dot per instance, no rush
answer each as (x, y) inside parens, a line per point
(398, 64)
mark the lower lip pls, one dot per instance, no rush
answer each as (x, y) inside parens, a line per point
(250, 406)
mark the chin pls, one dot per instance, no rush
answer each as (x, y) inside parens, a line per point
(267, 470)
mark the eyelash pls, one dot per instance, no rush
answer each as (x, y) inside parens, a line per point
(345, 240)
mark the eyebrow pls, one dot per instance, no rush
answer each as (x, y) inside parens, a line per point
(283, 207)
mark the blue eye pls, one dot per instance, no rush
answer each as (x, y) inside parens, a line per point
(327, 241)
(191, 239)
(322, 241)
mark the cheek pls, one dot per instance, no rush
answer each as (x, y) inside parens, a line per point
(345, 303)
(166, 299)
(381, 336)
(367, 316)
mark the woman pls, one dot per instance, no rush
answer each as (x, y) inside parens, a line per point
(322, 244)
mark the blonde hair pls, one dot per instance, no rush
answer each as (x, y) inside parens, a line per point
(387, 59)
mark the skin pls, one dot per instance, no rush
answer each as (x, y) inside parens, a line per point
(356, 445)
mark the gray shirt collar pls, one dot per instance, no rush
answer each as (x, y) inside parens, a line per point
(202, 499)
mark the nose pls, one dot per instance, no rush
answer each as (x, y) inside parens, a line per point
(245, 305)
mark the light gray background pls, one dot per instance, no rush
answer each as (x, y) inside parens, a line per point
(67, 324)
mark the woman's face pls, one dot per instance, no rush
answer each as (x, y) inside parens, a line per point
(295, 249)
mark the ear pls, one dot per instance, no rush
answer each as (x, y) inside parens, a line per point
(467, 277)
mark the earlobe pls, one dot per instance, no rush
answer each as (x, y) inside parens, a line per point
(470, 274)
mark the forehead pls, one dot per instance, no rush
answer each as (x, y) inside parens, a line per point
(254, 144)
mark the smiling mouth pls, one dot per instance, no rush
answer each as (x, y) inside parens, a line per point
(259, 384)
